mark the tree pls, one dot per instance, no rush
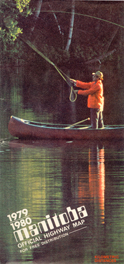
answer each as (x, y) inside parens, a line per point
(10, 11)
(36, 13)
(71, 27)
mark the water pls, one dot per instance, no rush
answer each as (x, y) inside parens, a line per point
(41, 179)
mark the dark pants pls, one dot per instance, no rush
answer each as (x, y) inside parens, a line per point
(96, 116)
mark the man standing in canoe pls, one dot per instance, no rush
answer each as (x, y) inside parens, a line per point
(94, 91)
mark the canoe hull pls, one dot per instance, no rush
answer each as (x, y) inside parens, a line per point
(26, 130)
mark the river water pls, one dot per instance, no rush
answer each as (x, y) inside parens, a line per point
(80, 183)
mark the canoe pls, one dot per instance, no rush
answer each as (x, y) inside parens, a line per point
(25, 129)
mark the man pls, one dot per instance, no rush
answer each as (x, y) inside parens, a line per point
(94, 91)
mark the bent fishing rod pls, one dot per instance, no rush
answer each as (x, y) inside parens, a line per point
(62, 74)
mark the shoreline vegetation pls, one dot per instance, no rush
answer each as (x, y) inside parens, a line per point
(64, 32)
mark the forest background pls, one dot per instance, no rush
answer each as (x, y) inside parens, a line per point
(53, 28)
(74, 34)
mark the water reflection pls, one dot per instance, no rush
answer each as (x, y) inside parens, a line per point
(47, 176)
(97, 178)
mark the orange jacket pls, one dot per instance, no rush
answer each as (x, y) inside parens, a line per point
(94, 92)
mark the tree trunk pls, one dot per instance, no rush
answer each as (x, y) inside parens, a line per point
(71, 27)
(56, 19)
(37, 12)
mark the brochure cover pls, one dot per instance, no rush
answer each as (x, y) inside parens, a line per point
(61, 132)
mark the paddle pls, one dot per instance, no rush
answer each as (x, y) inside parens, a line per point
(77, 123)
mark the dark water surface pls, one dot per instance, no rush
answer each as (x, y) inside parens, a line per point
(48, 176)
(41, 179)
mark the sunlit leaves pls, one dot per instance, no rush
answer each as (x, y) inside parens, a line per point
(12, 30)
(22, 5)
(11, 11)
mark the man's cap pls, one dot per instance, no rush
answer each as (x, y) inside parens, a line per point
(98, 74)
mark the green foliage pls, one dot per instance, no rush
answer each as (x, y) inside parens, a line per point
(10, 12)
(23, 5)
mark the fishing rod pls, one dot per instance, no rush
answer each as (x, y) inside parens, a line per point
(62, 74)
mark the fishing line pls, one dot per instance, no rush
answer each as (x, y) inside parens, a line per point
(79, 14)
(73, 95)
(62, 74)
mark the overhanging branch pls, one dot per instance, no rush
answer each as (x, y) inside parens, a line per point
(100, 57)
